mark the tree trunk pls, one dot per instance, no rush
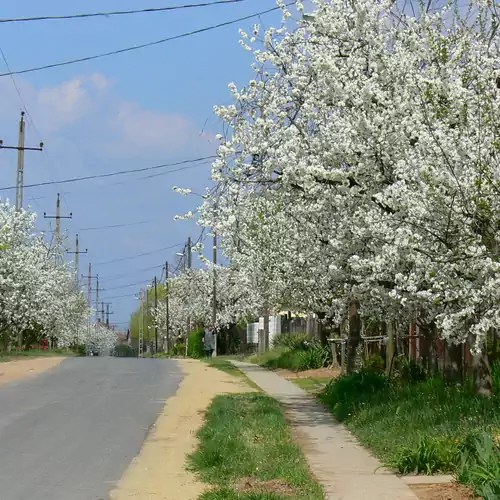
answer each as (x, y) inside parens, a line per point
(391, 348)
(354, 335)
(482, 371)
(454, 363)
(6, 340)
(429, 355)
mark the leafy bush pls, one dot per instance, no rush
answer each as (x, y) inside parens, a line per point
(429, 456)
(306, 355)
(412, 372)
(374, 363)
(195, 345)
(125, 351)
(480, 465)
(345, 393)
(81, 350)
(178, 350)
(292, 341)
(314, 356)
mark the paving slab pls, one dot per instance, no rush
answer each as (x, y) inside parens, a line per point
(346, 470)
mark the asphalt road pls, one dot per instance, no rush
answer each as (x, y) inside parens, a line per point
(70, 433)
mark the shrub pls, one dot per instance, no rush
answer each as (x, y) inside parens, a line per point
(293, 341)
(314, 356)
(480, 465)
(81, 350)
(195, 345)
(375, 363)
(178, 350)
(345, 393)
(412, 372)
(429, 456)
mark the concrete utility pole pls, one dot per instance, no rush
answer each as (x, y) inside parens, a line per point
(20, 161)
(188, 325)
(141, 326)
(97, 298)
(108, 313)
(77, 253)
(167, 319)
(214, 296)
(156, 307)
(58, 218)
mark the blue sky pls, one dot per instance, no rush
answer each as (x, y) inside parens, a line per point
(134, 110)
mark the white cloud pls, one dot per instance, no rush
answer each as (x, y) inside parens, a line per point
(146, 128)
(86, 110)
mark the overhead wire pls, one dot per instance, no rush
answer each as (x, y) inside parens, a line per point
(114, 174)
(113, 226)
(123, 275)
(117, 12)
(143, 45)
(138, 255)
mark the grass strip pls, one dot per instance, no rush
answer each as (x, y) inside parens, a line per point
(225, 365)
(15, 355)
(247, 452)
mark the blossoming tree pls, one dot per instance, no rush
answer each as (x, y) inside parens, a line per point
(360, 174)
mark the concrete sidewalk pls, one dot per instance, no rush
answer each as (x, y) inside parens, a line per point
(346, 470)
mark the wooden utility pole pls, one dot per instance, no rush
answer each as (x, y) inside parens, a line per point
(156, 308)
(77, 253)
(214, 296)
(20, 161)
(58, 218)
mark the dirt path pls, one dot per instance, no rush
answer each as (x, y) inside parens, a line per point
(27, 367)
(159, 471)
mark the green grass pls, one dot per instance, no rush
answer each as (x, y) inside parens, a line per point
(312, 384)
(246, 437)
(225, 365)
(292, 354)
(13, 355)
(419, 427)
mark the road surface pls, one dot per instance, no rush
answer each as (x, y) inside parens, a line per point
(70, 433)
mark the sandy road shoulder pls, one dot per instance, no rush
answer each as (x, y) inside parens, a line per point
(159, 471)
(22, 368)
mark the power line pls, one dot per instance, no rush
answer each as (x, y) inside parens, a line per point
(114, 174)
(112, 226)
(121, 296)
(138, 255)
(141, 46)
(117, 12)
(122, 275)
(127, 285)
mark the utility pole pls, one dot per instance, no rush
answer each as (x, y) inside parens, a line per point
(77, 253)
(188, 325)
(105, 315)
(167, 319)
(58, 218)
(214, 296)
(147, 314)
(97, 299)
(20, 161)
(108, 313)
(141, 326)
(156, 308)
(89, 286)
